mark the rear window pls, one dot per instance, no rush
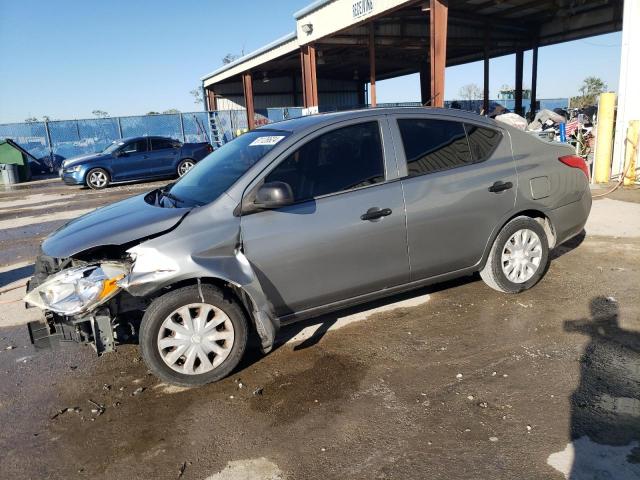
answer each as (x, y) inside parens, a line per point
(161, 143)
(482, 141)
(432, 145)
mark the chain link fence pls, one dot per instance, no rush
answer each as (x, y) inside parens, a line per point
(57, 140)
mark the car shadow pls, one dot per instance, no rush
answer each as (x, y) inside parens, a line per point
(605, 407)
(325, 322)
(19, 273)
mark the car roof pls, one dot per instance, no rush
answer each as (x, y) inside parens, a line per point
(296, 125)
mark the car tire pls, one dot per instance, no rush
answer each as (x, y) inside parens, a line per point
(177, 343)
(97, 179)
(519, 256)
(184, 166)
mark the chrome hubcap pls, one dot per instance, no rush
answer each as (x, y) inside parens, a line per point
(195, 339)
(521, 256)
(185, 167)
(98, 179)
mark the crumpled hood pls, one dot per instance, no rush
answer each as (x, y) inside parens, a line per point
(70, 162)
(116, 224)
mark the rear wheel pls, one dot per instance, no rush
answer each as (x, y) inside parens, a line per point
(193, 336)
(184, 166)
(98, 178)
(519, 257)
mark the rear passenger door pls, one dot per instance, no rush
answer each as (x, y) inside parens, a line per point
(163, 157)
(459, 184)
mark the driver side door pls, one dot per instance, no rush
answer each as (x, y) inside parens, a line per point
(133, 162)
(324, 248)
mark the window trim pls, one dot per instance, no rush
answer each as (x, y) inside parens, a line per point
(499, 132)
(251, 190)
(168, 140)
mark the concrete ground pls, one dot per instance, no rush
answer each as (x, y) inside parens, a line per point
(453, 381)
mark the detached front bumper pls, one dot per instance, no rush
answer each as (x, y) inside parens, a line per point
(53, 330)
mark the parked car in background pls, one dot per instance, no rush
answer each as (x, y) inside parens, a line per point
(131, 159)
(304, 217)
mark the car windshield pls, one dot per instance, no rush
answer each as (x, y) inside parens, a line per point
(219, 170)
(113, 147)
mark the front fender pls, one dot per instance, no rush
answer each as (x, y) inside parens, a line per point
(192, 252)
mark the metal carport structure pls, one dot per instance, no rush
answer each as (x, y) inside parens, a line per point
(340, 46)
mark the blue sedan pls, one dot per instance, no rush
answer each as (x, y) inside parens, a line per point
(132, 159)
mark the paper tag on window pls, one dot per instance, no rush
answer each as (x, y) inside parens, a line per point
(262, 141)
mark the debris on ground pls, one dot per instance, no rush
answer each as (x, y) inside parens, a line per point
(106, 387)
(259, 391)
(99, 409)
(493, 439)
(459, 376)
(66, 410)
(137, 391)
(183, 467)
(10, 347)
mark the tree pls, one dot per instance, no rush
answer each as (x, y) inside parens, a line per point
(197, 95)
(470, 91)
(172, 110)
(589, 91)
(46, 118)
(153, 113)
(30, 120)
(100, 113)
(230, 57)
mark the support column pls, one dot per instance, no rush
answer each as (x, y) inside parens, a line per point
(247, 85)
(534, 81)
(309, 79)
(438, 15)
(485, 94)
(425, 83)
(212, 103)
(518, 92)
(372, 64)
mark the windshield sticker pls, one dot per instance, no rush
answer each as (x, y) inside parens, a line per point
(262, 141)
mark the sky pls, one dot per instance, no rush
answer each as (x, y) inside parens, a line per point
(67, 58)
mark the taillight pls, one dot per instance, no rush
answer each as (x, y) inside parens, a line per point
(575, 161)
(209, 148)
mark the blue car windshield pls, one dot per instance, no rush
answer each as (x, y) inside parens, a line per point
(213, 175)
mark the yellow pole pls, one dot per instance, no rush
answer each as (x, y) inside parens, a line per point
(631, 152)
(604, 138)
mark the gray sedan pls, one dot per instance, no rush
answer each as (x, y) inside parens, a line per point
(303, 217)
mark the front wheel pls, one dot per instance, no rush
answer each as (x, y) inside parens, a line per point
(184, 166)
(519, 256)
(193, 336)
(97, 179)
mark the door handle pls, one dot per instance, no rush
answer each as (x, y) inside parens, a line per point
(498, 187)
(374, 213)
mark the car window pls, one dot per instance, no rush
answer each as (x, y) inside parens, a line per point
(161, 143)
(432, 145)
(483, 141)
(343, 159)
(136, 146)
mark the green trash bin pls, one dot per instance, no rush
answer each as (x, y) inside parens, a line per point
(14, 162)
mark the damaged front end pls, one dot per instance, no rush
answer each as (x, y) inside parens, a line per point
(79, 301)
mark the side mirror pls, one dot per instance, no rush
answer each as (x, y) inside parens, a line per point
(274, 195)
